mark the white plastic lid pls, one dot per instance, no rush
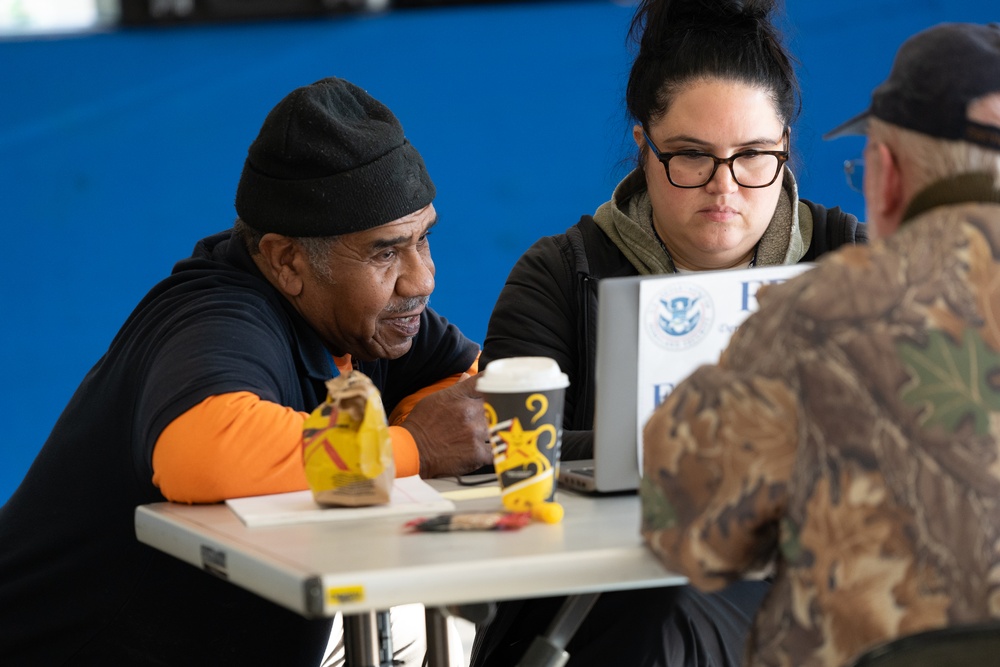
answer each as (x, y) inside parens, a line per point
(517, 374)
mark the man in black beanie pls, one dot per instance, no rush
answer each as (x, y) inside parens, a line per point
(203, 393)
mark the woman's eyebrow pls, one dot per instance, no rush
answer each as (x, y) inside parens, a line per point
(687, 139)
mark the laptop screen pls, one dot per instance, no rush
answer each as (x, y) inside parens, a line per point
(652, 332)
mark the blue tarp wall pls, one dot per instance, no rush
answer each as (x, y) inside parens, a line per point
(119, 150)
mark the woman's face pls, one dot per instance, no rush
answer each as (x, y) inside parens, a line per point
(718, 225)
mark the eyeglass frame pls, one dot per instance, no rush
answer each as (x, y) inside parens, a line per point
(665, 157)
(854, 170)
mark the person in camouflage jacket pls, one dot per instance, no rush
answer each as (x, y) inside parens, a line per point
(851, 445)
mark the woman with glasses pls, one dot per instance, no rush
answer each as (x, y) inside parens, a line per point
(712, 93)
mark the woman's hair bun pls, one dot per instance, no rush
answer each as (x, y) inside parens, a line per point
(682, 40)
(683, 14)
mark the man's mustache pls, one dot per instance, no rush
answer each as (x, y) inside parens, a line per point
(407, 306)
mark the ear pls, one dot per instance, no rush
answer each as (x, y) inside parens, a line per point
(884, 191)
(637, 137)
(282, 261)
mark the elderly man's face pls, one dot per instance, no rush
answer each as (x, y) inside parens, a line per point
(379, 283)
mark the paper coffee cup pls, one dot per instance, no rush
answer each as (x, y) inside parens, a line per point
(523, 399)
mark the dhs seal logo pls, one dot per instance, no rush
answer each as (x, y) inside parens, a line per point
(679, 317)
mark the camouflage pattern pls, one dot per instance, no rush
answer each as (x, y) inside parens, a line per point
(849, 438)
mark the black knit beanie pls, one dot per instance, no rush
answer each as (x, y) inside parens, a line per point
(330, 160)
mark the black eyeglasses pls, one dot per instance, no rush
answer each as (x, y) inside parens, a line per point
(854, 170)
(694, 169)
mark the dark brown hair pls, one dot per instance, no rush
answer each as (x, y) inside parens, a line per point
(679, 41)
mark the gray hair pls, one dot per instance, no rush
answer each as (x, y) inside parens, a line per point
(317, 248)
(930, 159)
(251, 237)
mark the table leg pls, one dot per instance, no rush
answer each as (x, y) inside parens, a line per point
(361, 640)
(438, 646)
(384, 638)
(549, 650)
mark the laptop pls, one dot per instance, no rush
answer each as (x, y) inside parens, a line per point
(652, 332)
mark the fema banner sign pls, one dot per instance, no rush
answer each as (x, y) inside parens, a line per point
(680, 316)
(687, 319)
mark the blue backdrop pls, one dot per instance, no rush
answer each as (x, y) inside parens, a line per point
(119, 150)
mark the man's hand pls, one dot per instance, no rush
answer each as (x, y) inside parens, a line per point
(449, 427)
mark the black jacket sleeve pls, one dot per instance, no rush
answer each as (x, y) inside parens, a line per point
(537, 314)
(833, 228)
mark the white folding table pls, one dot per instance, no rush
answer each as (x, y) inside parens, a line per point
(360, 567)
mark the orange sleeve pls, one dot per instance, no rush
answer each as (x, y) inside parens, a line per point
(404, 452)
(405, 406)
(235, 445)
(228, 446)
(404, 447)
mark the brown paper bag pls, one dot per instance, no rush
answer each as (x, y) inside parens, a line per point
(346, 446)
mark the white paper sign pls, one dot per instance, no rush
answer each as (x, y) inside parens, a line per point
(686, 320)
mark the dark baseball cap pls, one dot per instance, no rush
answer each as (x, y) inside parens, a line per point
(937, 73)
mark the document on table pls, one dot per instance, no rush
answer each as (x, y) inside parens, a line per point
(410, 495)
